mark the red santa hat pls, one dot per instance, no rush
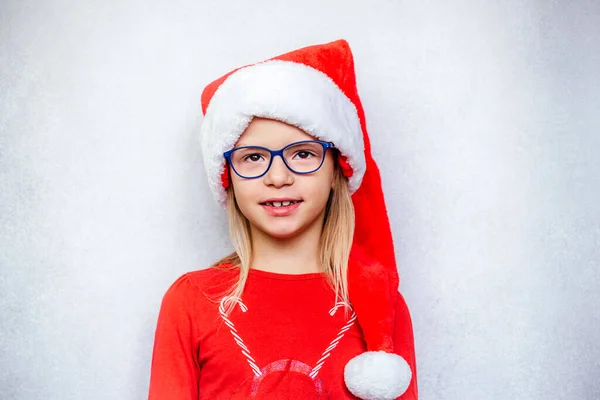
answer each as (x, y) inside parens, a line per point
(314, 88)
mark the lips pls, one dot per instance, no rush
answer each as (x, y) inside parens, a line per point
(280, 202)
(280, 208)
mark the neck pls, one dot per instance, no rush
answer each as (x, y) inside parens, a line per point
(293, 255)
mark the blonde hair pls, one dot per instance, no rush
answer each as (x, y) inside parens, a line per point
(334, 245)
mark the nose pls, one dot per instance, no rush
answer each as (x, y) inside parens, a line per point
(278, 174)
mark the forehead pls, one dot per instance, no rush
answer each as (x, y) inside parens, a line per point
(271, 133)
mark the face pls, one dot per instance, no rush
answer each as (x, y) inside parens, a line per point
(311, 191)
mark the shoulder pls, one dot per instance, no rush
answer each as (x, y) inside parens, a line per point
(209, 281)
(213, 278)
(191, 301)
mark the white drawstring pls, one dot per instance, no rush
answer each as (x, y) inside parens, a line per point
(335, 341)
(237, 338)
(246, 352)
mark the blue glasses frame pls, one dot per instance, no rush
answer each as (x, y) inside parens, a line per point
(274, 153)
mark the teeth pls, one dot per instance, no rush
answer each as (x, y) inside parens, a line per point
(281, 203)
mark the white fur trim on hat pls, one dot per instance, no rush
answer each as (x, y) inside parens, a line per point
(290, 92)
(377, 375)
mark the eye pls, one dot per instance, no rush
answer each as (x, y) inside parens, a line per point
(303, 154)
(255, 157)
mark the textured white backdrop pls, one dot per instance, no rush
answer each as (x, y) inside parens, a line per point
(485, 121)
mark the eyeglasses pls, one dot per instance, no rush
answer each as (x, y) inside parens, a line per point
(304, 157)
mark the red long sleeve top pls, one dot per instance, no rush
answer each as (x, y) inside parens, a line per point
(279, 342)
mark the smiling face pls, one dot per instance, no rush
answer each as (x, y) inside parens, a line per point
(255, 197)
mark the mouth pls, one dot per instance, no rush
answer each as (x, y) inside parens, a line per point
(281, 207)
(277, 204)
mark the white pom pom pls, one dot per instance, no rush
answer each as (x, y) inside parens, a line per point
(377, 375)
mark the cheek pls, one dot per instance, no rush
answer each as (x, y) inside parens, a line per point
(247, 194)
(318, 192)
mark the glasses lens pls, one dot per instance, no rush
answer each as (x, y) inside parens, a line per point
(304, 157)
(250, 161)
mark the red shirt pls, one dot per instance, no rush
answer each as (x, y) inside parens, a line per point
(270, 351)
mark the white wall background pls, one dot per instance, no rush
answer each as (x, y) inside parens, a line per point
(485, 120)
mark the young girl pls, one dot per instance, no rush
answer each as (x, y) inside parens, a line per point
(307, 307)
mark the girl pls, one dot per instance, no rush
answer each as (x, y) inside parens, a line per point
(307, 306)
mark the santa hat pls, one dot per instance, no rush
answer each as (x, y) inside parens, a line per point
(314, 89)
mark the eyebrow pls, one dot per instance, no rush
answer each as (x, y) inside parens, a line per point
(243, 144)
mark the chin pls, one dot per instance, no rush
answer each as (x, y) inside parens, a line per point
(284, 227)
(285, 230)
